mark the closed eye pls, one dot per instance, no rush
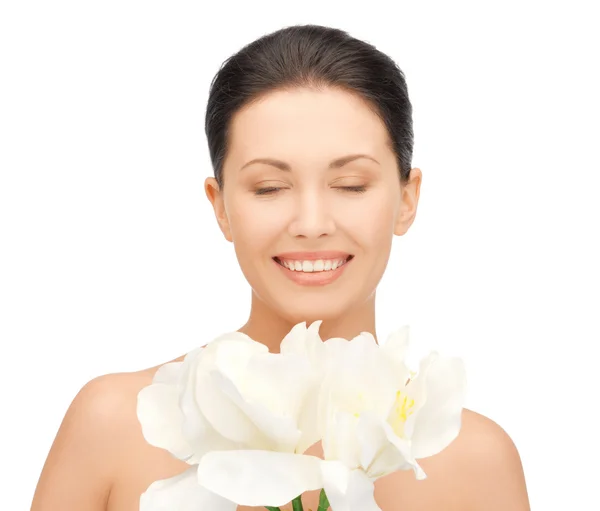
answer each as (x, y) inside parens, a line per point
(271, 190)
(265, 191)
(358, 189)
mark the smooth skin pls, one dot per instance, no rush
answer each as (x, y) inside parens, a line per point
(100, 461)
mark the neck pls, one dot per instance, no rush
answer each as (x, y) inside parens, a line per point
(269, 327)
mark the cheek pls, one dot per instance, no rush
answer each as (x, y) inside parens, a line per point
(254, 228)
(371, 222)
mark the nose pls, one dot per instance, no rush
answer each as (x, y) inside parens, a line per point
(312, 217)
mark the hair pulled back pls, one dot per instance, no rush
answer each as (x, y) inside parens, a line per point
(317, 57)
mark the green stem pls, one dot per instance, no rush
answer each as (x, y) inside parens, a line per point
(323, 501)
(297, 503)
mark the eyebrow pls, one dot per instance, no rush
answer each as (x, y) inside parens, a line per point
(335, 164)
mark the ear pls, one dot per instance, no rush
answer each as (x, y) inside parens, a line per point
(409, 202)
(215, 196)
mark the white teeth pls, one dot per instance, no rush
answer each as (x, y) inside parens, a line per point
(313, 266)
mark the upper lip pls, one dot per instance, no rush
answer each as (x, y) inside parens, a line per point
(313, 256)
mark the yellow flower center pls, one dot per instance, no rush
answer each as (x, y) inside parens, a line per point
(401, 410)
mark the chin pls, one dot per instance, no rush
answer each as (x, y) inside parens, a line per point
(312, 312)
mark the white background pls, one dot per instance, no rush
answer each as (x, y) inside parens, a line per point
(111, 259)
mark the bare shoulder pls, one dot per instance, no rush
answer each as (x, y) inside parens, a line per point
(479, 471)
(79, 468)
(99, 460)
(484, 461)
(494, 466)
(136, 464)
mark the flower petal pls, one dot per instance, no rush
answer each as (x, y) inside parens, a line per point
(347, 490)
(308, 343)
(182, 493)
(437, 423)
(294, 341)
(259, 478)
(305, 342)
(218, 400)
(231, 356)
(395, 348)
(404, 448)
(199, 433)
(373, 442)
(381, 450)
(340, 442)
(358, 376)
(161, 419)
(265, 429)
(169, 373)
(224, 359)
(308, 422)
(280, 382)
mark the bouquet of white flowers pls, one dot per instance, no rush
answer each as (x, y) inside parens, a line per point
(242, 418)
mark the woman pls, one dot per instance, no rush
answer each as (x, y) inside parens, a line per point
(310, 136)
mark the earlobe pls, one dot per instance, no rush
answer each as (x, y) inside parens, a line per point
(214, 195)
(409, 202)
(403, 223)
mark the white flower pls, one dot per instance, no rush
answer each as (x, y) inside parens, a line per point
(371, 418)
(239, 475)
(376, 422)
(230, 395)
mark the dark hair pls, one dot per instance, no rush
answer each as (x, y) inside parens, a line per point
(309, 56)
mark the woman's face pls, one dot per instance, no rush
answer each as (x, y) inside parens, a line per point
(306, 207)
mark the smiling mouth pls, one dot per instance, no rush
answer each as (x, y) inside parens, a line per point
(349, 258)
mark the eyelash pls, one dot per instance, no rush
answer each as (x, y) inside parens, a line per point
(267, 191)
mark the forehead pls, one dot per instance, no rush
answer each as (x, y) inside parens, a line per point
(286, 123)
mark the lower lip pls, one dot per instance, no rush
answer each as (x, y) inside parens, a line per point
(318, 278)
